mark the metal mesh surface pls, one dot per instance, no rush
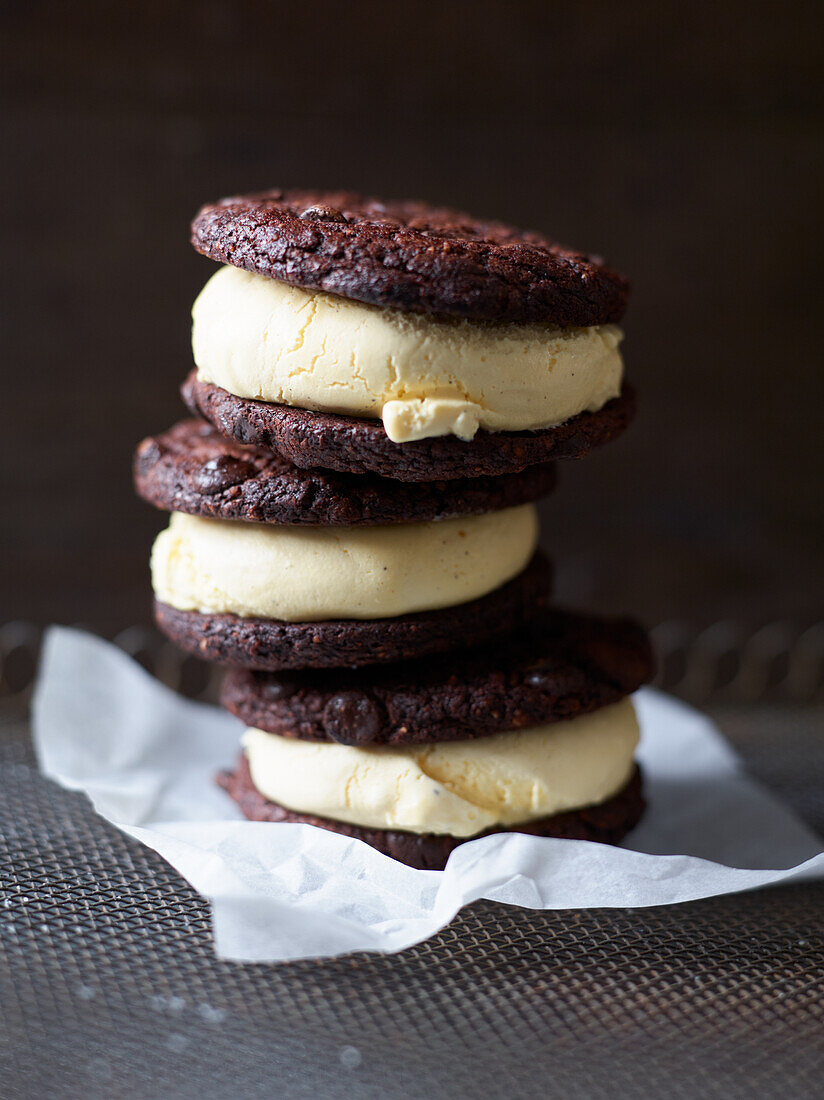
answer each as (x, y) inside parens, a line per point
(109, 987)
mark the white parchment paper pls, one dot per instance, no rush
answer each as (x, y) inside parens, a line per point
(147, 757)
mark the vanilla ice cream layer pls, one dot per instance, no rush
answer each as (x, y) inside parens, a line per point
(459, 787)
(304, 574)
(423, 376)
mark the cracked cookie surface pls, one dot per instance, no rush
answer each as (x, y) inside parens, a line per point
(561, 665)
(410, 256)
(193, 468)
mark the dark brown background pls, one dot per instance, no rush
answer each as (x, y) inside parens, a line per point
(682, 141)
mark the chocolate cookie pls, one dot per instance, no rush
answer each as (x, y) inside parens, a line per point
(349, 643)
(410, 256)
(559, 666)
(607, 823)
(355, 445)
(193, 468)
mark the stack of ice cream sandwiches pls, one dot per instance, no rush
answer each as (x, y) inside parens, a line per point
(381, 391)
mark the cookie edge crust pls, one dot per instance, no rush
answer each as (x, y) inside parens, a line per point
(474, 693)
(166, 479)
(352, 445)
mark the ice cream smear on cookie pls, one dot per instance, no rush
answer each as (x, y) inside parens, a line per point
(458, 788)
(307, 574)
(423, 376)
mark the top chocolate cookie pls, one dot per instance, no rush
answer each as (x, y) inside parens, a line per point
(410, 256)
